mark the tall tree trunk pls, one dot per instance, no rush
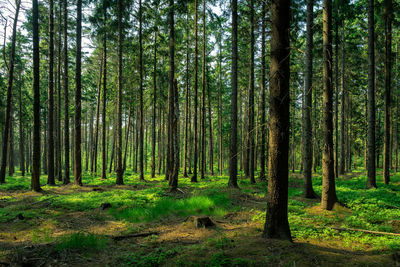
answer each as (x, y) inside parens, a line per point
(336, 164)
(141, 133)
(154, 137)
(119, 169)
(328, 198)
(388, 68)
(342, 165)
(66, 93)
(211, 149)
(35, 182)
(308, 190)
(276, 223)
(103, 118)
(220, 148)
(21, 136)
(263, 92)
(173, 153)
(185, 142)
(371, 171)
(11, 146)
(50, 135)
(203, 98)
(78, 96)
(58, 165)
(9, 92)
(93, 166)
(233, 151)
(251, 129)
(194, 177)
(127, 136)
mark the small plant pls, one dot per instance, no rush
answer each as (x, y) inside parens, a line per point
(78, 241)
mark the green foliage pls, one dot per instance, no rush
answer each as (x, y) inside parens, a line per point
(81, 241)
(155, 258)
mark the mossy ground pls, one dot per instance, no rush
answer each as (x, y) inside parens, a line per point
(64, 225)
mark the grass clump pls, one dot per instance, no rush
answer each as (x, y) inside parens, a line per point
(80, 241)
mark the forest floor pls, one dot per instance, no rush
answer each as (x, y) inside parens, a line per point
(66, 225)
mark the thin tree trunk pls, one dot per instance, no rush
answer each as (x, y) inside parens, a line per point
(203, 99)
(185, 142)
(78, 96)
(194, 177)
(251, 129)
(388, 67)
(58, 164)
(154, 137)
(35, 182)
(233, 152)
(104, 115)
(9, 90)
(127, 136)
(263, 93)
(21, 136)
(66, 179)
(93, 166)
(141, 132)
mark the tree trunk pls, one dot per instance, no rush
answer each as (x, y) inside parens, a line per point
(371, 171)
(194, 177)
(104, 121)
(251, 98)
(21, 136)
(276, 223)
(308, 190)
(233, 157)
(118, 155)
(35, 182)
(9, 93)
(342, 165)
(78, 96)
(263, 92)
(93, 166)
(127, 136)
(141, 132)
(388, 68)
(211, 149)
(203, 99)
(58, 172)
(185, 142)
(328, 198)
(154, 137)
(50, 135)
(66, 101)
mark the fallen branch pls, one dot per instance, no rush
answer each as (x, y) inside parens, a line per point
(365, 231)
(121, 237)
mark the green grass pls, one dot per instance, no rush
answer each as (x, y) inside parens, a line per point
(81, 241)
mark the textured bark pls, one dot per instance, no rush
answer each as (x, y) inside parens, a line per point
(371, 171)
(58, 149)
(336, 89)
(127, 131)
(50, 135)
(141, 132)
(35, 182)
(66, 178)
(343, 132)
(195, 144)
(388, 68)
(186, 134)
(118, 150)
(233, 152)
(104, 115)
(7, 125)
(276, 223)
(78, 97)
(263, 93)
(154, 137)
(251, 144)
(220, 141)
(93, 166)
(328, 198)
(203, 99)
(210, 130)
(21, 136)
(308, 190)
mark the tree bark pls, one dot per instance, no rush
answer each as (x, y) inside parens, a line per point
(78, 97)
(141, 132)
(371, 171)
(276, 223)
(104, 115)
(233, 152)
(154, 137)
(9, 93)
(308, 190)
(119, 169)
(66, 178)
(35, 182)
(251, 129)
(203, 99)
(195, 159)
(328, 198)
(388, 68)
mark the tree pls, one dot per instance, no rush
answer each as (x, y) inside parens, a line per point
(153, 139)
(104, 123)
(308, 190)
(35, 182)
(50, 135)
(371, 172)
(203, 98)
(7, 125)
(196, 52)
(276, 223)
(120, 171)
(66, 97)
(251, 143)
(233, 152)
(263, 98)
(328, 198)
(388, 68)
(141, 132)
